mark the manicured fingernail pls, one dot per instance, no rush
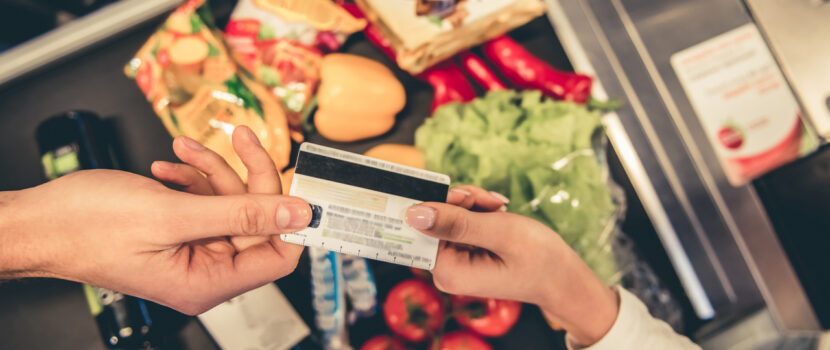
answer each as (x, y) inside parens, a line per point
(293, 216)
(420, 217)
(460, 191)
(192, 144)
(503, 208)
(251, 136)
(500, 197)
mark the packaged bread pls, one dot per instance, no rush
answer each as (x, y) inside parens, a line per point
(281, 44)
(187, 74)
(425, 32)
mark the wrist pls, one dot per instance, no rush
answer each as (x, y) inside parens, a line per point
(16, 249)
(579, 302)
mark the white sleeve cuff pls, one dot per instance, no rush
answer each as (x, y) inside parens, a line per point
(635, 328)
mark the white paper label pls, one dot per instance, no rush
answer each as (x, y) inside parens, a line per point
(261, 319)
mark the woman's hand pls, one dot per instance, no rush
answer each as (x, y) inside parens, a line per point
(487, 252)
(129, 233)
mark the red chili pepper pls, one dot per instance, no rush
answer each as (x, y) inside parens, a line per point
(529, 72)
(448, 83)
(480, 72)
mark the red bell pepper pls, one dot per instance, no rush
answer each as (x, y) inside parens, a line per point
(529, 72)
(480, 72)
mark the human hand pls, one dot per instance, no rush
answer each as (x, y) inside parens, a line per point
(128, 233)
(490, 253)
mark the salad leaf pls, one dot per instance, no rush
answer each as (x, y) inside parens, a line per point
(539, 153)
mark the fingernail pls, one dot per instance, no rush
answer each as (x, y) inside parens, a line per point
(251, 136)
(192, 144)
(293, 216)
(420, 217)
(500, 197)
(460, 191)
(503, 208)
(162, 165)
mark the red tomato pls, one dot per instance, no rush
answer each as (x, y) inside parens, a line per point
(413, 310)
(144, 79)
(382, 342)
(486, 316)
(461, 340)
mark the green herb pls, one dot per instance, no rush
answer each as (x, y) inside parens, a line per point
(195, 23)
(538, 152)
(212, 50)
(249, 100)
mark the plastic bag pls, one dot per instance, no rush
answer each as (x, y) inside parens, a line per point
(281, 44)
(185, 71)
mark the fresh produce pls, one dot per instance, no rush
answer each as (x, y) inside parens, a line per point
(527, 71)
(357, 99)
(401, 154)
(413, 310)
(282, 42)
(538, 152)
(448, 84)
(480, 72)
(486, 316)
(188, 76)
(383, 342)
(461, 340)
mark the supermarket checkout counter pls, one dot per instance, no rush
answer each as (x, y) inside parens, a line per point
(51, 314)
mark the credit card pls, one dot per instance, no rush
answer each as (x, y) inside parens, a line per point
(359, 203)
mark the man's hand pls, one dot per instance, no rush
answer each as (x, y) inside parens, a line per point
(487, 252)
(129, 233)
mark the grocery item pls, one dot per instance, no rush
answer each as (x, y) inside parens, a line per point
(281, 44)
(423, 32)
(328, 298)
(382, 342)
(486, 316)
(746, 108)
(527, 71)
(448, 84)
(544, 155)
(413, 310)
(461, 340)
(357, 99)
(188, 76)
(75, 141)
(401, 154)
(360, 287)
(480, 72)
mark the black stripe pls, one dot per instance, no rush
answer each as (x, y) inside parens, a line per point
(323, 167)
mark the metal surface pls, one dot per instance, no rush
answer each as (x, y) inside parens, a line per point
(724, 231)
(78, 35)
(797, 32)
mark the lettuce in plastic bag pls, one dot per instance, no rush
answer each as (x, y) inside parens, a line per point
(540, 153)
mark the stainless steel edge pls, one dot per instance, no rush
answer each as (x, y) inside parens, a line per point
(633, 167)
(78, 35)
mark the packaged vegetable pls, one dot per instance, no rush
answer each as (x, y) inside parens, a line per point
(425, 32)
(541, 153)
(186, 73)
(358, 98)
(281, 44)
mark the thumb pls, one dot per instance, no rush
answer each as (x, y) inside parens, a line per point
(197, 217)
(455, 224)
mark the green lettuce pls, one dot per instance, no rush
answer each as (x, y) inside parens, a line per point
(538, 152)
